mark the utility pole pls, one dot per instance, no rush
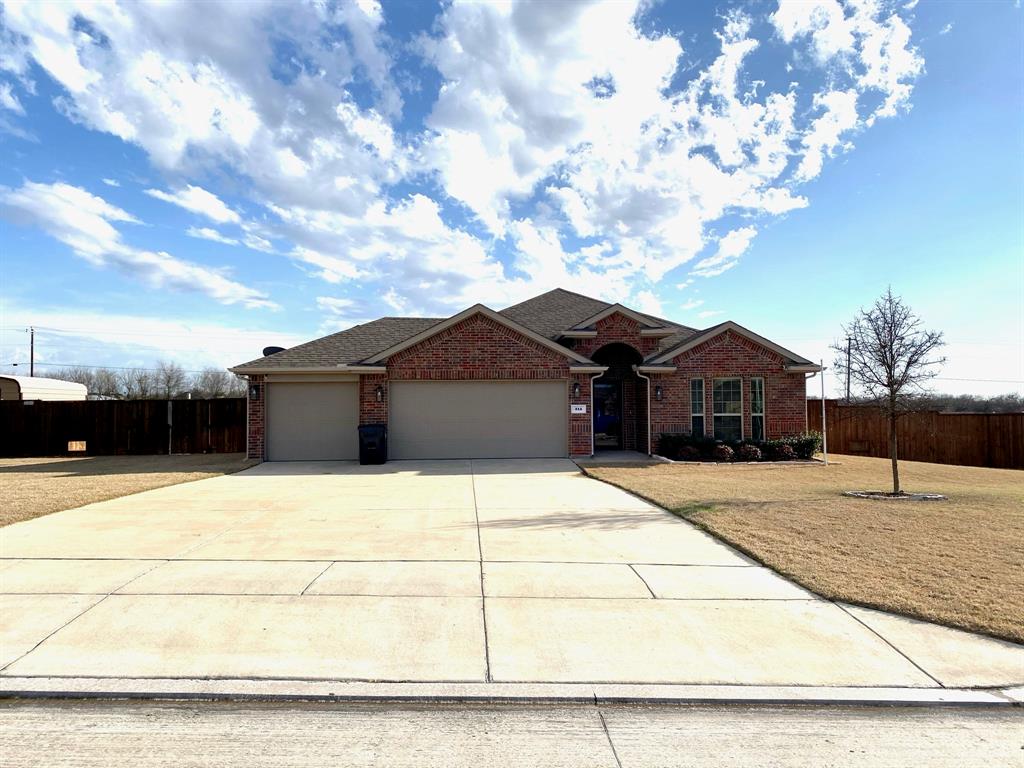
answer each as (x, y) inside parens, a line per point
(849, 340)
(31, 351)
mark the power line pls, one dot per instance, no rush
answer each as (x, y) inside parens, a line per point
(102, 367)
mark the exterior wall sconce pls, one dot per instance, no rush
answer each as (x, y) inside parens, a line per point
(254, 391)
(657, 393)
(380, 393)
(575, 389)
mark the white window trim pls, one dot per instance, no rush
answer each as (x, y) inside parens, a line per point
(715, 414)
(703, 407)
(764, 407)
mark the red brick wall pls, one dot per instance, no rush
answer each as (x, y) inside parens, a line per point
(616, 328)
(724, 356)
(257, 420)
(478, 348)
(370, 410)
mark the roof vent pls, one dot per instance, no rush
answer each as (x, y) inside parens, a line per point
(272, 350)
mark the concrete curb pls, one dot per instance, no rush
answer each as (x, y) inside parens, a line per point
(192, 689)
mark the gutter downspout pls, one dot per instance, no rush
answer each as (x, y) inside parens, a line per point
(592, 380)
(824, 426)
(648, 380)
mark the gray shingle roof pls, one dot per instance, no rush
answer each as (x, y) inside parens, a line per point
(553, 312)
(549, 315)
(348, 346)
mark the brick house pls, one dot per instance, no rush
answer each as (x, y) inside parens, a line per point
(557, 375)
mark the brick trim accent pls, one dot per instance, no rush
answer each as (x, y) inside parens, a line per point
(256, 419)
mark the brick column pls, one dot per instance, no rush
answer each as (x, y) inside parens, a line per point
(256, 421)
(370, 410)
(580, 425)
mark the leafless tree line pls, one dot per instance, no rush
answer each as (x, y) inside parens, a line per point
(165, 382)
(928, 401)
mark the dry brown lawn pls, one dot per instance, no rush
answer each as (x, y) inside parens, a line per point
(35, 487)
(958, 562)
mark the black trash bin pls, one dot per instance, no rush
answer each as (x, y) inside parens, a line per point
(373, 443)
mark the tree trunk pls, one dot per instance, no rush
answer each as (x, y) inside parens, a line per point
(892, 452)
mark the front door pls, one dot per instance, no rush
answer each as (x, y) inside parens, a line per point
(607, 415)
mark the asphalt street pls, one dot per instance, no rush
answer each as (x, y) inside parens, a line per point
(104, 733)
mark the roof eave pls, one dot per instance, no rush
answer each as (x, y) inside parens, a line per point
(342, 368)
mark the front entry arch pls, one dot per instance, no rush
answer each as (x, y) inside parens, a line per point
(620, 405)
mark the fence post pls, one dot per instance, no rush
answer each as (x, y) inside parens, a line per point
(170, 425)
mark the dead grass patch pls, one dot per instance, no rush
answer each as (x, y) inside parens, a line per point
(958, 562)
(35, 487)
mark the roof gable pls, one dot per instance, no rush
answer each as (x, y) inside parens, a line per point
(476, 309)
(611, 309)
(669, 354)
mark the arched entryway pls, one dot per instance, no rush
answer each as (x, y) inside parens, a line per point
(620, 404)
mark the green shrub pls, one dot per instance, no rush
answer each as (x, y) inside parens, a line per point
(722, 452)
(689, 453)
(748, 452)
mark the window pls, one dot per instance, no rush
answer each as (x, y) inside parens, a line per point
(757, 409)
(727, 401)
(697, 406)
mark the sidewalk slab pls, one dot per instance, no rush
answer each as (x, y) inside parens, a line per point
(72, 576)
(325, 637)
(221, 577)
(750, 642)
(26, 620)
(955, 658)
(696, 582)
(595, 580)
(427, 579)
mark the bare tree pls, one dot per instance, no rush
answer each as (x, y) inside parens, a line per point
(170, 379)
(136, 384)
(216, 382)
(890, 358)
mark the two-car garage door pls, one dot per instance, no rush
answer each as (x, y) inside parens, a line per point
(477, 419)
(427, 420)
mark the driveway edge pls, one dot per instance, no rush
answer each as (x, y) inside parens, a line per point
(187, 689)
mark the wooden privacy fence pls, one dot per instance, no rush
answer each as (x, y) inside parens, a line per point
(969, 439)
(109, 427)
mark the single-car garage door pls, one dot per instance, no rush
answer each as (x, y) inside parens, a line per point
(312, 421)
(477, 419)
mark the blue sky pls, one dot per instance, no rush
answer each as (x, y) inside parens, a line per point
(169, 191)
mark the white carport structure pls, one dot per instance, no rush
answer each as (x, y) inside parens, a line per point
(39, 388)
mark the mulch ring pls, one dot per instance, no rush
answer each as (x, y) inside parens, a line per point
(889, 496)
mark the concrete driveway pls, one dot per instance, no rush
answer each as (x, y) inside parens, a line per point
(455, 571)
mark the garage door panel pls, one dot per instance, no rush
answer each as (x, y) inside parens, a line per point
(477, 419)
(312, 421)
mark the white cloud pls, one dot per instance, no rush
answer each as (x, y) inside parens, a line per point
(730, 248)
(8, 100)
(111, 182)
(552, 122)
(691, 304)
(198, 200)
(81, 337)
(83, 222)
(946, 29)
(707, 313)
(206, 233)
(838, 116)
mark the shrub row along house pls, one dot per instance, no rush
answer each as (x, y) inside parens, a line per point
(558, 375)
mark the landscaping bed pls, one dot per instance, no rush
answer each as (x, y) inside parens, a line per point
(687, 447)
(958, 562)
(35, 487)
